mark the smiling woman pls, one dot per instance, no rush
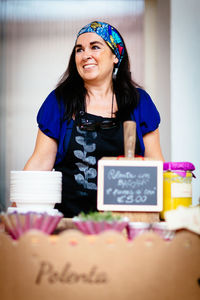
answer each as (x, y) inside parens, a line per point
(82, 119)
(94, 58)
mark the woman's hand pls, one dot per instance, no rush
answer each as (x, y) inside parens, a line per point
(152, 145)
(44, 155)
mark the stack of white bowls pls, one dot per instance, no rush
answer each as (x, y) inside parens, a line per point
(35, 190)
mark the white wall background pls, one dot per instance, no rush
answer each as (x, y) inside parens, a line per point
(172, 74)
(185, 85)
(157, 65)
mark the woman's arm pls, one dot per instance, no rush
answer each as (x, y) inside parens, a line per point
(44, 155)
(152, 145)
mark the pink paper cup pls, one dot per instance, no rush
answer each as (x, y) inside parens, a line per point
(162, 230)
(136, 228)
(96, 227)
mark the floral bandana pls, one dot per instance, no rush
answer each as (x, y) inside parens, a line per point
(110, 36)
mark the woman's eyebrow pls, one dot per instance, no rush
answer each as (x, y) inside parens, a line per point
(91, 43)
(78, 45)
(96, 42)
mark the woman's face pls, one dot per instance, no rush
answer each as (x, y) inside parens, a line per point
(94, 58)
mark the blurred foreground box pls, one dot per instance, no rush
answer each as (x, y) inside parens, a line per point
(107, 266)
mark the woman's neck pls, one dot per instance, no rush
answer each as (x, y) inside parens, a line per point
(100, 100)
(95, 92)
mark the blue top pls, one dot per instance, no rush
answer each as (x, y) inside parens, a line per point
(51, 123)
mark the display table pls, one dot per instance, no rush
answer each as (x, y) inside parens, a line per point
(74, 266)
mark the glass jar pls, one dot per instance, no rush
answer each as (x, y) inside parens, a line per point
(177, 185)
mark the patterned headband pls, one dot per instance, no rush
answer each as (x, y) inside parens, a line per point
(109, 34)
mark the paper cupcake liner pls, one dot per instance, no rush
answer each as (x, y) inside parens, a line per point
(17, 224)
(137, 228)
(94, 227)
(37, 209)
(162, 230)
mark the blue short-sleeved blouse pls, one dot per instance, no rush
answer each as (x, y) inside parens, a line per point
(50, 121)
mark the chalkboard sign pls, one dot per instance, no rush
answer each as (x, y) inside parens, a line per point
(130, 185)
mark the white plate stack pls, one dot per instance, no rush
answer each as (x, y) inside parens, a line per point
(35, 190)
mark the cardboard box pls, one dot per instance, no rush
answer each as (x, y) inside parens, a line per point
(108, 266)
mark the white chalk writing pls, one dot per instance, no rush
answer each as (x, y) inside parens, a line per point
(126, 187)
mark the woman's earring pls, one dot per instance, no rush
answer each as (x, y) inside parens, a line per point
(115, 73)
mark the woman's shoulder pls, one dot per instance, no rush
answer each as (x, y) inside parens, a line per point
(143, 95)
(51, 108)
(49, 116)
(52, 103)
(145, 100)
(51, 97)
(146, 110)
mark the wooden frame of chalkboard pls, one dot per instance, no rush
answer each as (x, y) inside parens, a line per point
(130, 185)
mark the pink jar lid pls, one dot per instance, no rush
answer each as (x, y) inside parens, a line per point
(179, 168)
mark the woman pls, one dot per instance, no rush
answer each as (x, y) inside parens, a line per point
(82, 119)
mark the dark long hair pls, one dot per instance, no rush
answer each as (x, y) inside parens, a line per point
(72, 91)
